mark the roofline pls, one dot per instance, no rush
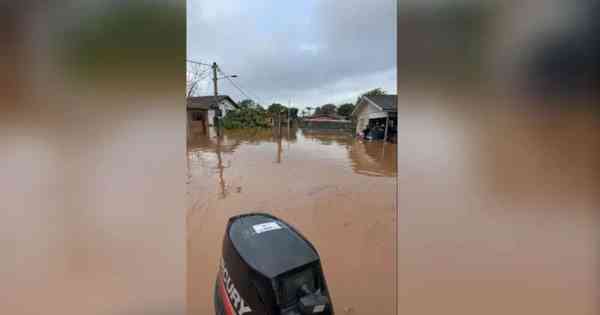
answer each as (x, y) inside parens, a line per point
(369, 100)
(357, 105)
(225, 96)
(372, 102)
(232, 101)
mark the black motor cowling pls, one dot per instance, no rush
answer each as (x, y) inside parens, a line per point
(268, 267)
(315, 303)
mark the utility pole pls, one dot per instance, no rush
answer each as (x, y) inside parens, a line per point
(385, 134)
(279, 121)
(288, 116)
(217, 113)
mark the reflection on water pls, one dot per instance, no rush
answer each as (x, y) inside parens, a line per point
(338, 191)
(372, 158)
(368, 158)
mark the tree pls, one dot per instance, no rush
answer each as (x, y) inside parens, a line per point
(276, 108)
(345, 109)
(246, 117)
(328, 109)
(373, 92)
(277, 111)
(247, 103)
(293, 113)
(317, 110)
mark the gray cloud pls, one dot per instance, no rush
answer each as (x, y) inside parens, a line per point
(315, 53)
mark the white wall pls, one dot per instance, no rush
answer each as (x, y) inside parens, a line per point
(367, 112)
(226, 106)
(211, 116)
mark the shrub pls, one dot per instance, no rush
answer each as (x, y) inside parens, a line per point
(246, 117)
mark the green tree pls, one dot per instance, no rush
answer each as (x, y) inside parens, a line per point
(293, 113)
(373, 92)
(277, 111)
(328, 109)
(345, 109)
(246, 117)
(276, 108)
(248, 103)
(317, 110)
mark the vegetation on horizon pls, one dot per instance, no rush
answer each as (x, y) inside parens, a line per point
(252, 115)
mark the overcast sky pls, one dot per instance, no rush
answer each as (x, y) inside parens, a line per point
(312, 52)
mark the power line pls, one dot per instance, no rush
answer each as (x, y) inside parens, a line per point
(198, 62)
(231, 81)
(242, 96)
(195, 76)
(202, 77)
(241, 91)
(237, 86)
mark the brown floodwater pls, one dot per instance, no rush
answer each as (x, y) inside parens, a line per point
(498, 207)
(339, 192)
(92, 216)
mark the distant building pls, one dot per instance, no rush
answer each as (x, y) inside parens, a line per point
(326, 121)
(379, 111)
(325, 117)
(203, 109)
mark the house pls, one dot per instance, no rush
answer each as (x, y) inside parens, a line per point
(203, 109)
(326, 121)
(380, 111)
(325, 117)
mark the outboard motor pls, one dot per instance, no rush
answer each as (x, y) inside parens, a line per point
(268, 267)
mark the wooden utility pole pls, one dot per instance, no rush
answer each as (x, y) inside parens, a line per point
(221, 168)
(387, 120)
(279, 121)
(217, 114)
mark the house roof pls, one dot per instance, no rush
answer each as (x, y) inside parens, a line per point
(386, 103)
(207, 102)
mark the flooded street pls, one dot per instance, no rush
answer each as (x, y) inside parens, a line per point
(339, 192)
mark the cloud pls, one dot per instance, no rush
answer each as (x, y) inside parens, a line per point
(314, 52)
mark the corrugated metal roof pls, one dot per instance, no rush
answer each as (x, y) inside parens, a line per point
(206, 102)
(388, 103)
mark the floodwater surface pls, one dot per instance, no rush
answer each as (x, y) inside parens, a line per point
(498, 208)
(338, 191)
(92, 219)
